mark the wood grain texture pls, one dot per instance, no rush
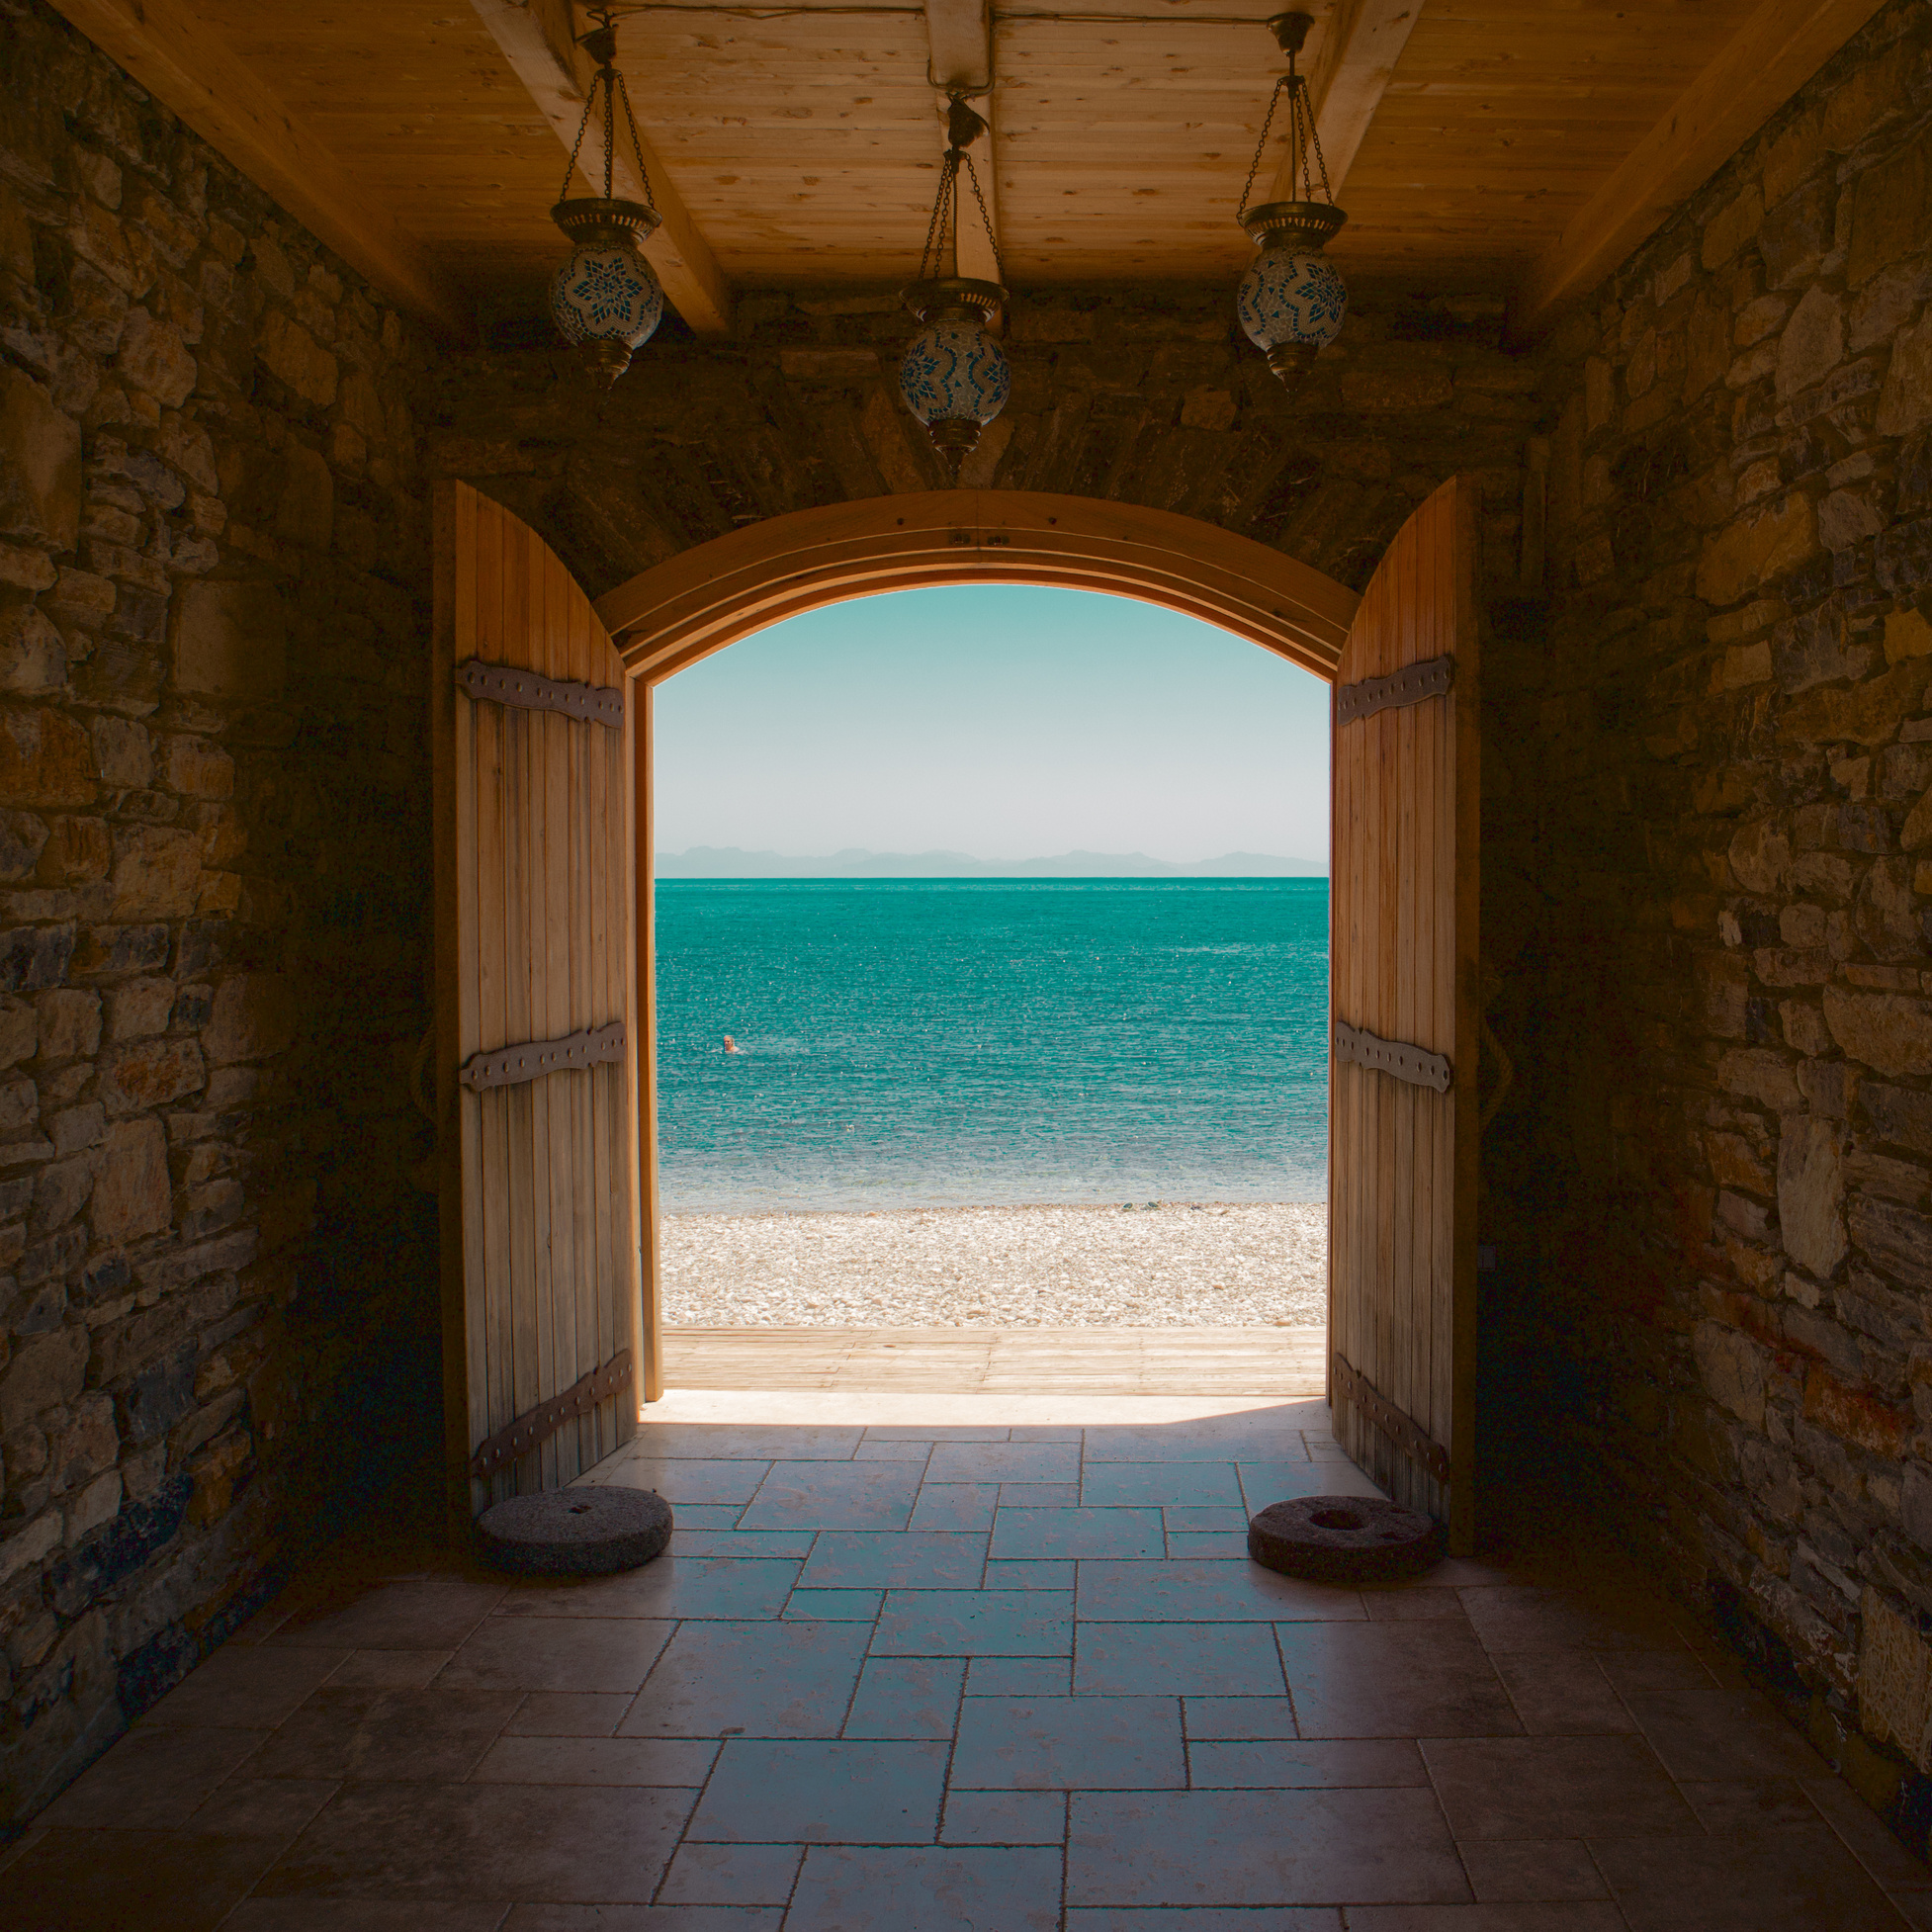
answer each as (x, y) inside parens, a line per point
(1403, 908)
(709, 597)
(534, 874)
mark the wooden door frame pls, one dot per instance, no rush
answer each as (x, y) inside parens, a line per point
(703, 599)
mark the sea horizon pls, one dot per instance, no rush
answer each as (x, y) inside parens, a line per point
(965, 1042)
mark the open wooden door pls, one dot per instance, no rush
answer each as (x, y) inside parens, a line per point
(536, 1029)
(1404, 1019)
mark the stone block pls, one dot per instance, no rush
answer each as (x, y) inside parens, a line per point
(1860, 714)
(33, 654)
(149, 1074)
(1810, 1185)
(1907, 635)
(229, 639)
(1387, 391)
(45, 758)
(35, 956)
(23, 838)
(76, 852)
(49, 1373)
(122, 753)
(40, 477)
(70, 1026)
(1887, 213)
(1760, 855)
(26, 1548)
(140, 1009)
(153, 359)
(155, 873)
(306, 514)
(255, 1017)
(1732, 227)
(1752, 548)
(20, 1030)
(134, 1195)
(289, 353)
(1891, 1032)
(1733, 1369)
(1795, 235)
(1906, 395)
(109, 951)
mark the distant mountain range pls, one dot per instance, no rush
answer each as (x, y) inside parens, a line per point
(734, 862)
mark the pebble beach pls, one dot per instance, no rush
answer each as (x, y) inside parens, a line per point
(1162, 1265)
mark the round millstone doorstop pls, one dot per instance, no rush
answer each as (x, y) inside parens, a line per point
(588, 1532)
(1346, 1539)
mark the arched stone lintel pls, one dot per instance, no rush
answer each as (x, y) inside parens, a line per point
(703, 598)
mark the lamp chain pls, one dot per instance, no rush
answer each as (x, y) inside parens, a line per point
(614, 86)
(1302, 136)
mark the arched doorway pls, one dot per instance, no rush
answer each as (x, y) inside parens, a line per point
(514, 631)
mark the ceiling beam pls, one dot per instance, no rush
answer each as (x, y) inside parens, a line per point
(1348, 71)
(537, 39)
(172, 52)
(959, 34)
(1770, 57)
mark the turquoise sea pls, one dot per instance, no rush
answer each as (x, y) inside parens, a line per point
(928, 1042)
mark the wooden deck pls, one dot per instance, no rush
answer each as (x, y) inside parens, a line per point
(1100, 1360)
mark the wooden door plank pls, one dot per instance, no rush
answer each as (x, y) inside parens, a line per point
(647, 1311)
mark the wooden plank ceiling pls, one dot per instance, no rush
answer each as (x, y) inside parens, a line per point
(799, 144)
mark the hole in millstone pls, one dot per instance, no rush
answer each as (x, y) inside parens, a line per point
(579, 1509)
(1335, 1520)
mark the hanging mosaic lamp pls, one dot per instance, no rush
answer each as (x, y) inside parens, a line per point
(954, 375)
(1291, 302)
(605, 298)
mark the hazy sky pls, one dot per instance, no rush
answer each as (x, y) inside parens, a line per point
(998, 720)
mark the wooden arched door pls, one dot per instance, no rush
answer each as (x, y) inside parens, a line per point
(536, 1040)
(1403, 1116)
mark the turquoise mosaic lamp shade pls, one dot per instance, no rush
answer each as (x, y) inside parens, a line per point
(606, 301)
(1289, 297)
(955, 371)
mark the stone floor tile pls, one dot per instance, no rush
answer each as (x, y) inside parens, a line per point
(1313, 1764)
(1713, 1734)
(592, 1844)
(833, 1495)
(688, 1482)
(955, 1506)
(1046, 1432)
(1004, 1463)
(1020, 1677)
(975, 1622)
(823, 1793)
(930, 1890)
(731, 1874)
(1039, 1495)
(1159, 1485)
(72, 1879)
(1392, 1680)
(1561, 1692)
(1190, 1518)
(275, 1808)
(1239, 1718)
(559, 1654)
(1089, 1744)
(437, 1735)
(1208, 1546)
(795, 1543)
(1078, 1532)
(154, 1778)
(1486, 1918)
(1531, 1871)
(363, 1915)
(1262, 1483)
(643, 1919)
(1789, 1881)
(1413, 1604)
(1206, 1918)
(708, 1516)
(1198, 1592)
(763, 1680)
(427, 1615)
(1524, 1616)
(848, 1559)
(918, 1431)
(569, 1714)
(906, 1696)
(1259, 1848)
(1634, 1672)
(1875, 1848)
(1018, 1817)
(1029, 1575)
(596, 1761)
(1176, 1660)
(1728, 1807)
(1554, 1788)
(250, 1689)
(389, 1670)
(877, 1451)
(835, 1606)
(672, 1587)
(703, 1442)
(1219, 1438)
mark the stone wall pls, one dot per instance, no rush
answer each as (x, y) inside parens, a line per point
(1721, 979)
(1150, 395)
(213, 896)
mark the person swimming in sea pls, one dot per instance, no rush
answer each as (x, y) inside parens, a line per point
(730, 1045)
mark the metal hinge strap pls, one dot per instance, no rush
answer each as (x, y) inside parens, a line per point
(526, 690)
(507, 1066)
(1409, 686)
(538, 1425)
(1405, 1062)
(1408, 1434)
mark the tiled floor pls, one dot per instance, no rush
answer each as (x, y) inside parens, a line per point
(925, 1663)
